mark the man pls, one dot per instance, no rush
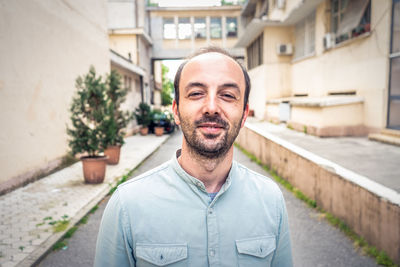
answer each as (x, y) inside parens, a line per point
(201, 208)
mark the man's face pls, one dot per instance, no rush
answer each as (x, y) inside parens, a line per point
(211, 104)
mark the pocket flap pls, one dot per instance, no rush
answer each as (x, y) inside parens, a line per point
(259, 246)
(161, 254)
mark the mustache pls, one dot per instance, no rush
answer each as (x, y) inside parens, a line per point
(212, 119)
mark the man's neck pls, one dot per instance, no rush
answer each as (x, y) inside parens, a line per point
(212, 172)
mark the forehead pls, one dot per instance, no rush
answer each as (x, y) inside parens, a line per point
(212, 67)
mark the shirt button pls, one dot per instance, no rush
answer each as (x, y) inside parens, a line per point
(212, 253)
(210, 211)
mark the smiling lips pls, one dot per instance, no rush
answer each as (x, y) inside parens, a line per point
(211, 128)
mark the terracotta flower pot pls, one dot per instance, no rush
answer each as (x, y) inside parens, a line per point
(94, 169)
(144, 130)
(159, 131)
(113, 153)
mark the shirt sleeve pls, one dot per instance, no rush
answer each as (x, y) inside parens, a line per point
(283, 253)
(114, 241)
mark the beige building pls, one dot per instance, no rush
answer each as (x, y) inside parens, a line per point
(130, 54)
(325, 67)
(44, 46)
(179, 31)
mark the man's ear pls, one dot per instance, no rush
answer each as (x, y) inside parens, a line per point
(176, 112)
(245, 114)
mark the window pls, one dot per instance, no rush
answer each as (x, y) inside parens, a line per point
(199, 28)
(350, 18)
(305, 37)
(215, 28)
(184, 28)
(231, 27)
(127, 82)
(255, 52)
(169, 28)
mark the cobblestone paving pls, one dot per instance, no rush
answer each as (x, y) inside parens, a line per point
(27, 214)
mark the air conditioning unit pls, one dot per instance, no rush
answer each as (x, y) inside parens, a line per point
(329, 40)
(284, 49)
(280, 4)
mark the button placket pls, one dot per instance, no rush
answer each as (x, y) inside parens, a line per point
(212, 234)
(212, 252)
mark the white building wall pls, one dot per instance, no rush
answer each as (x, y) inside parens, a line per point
(44, 46)
(121, 14)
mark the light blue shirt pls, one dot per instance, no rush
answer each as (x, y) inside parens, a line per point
(165, 218)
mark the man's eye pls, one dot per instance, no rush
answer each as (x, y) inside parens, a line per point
(228, 96)
(194, 94)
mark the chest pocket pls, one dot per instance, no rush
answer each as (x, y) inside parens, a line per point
(161, 255)
(256, 251)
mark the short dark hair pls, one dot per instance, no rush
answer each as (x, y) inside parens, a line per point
(212, 49)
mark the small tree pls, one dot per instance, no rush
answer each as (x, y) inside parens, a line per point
(143, 114)
(167, 88)
(115, 119)
(87, 112)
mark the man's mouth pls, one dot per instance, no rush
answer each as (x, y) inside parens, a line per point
(211, 125)
(211, 128)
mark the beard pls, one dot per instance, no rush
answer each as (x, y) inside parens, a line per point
(210, 146)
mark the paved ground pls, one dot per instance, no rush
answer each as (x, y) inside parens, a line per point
(374, 160)
(26, 214)
(314, 241)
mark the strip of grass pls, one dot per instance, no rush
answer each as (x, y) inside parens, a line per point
(359, 242)
(63, 242)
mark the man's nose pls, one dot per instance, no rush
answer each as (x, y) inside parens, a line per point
(211, 106)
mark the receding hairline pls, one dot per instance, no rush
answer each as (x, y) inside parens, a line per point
(216, 53)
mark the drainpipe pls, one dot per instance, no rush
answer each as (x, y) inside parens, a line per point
(141, 87)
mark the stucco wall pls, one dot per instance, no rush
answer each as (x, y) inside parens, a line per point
(271, 79)
(133, 97)
(45, 45)
(121, 14)
(125, 45)
(258, 93)
(341, 115)
(361, 65)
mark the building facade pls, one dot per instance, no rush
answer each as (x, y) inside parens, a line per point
(178, 31)
(325, 67)
(130, 50)
(44, 46)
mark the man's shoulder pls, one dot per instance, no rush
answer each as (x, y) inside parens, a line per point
(258, 180)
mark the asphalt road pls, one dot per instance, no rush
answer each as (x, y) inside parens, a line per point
(314, 241)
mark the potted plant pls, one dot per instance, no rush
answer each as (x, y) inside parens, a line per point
(143, 117)
(158, 118)
(87, 130)
(169, 126)
(115, 120)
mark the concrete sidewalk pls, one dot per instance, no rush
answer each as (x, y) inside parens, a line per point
(376, 161)
(25, 214)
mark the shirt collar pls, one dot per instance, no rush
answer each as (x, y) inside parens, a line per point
(196, 182)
